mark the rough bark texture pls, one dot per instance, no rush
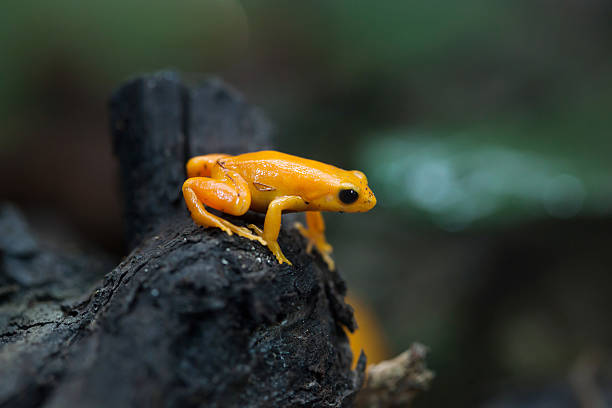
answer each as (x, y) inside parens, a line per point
(158, 123)
(192, 317)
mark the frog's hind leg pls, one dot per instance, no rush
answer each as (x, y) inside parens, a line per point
(229, 194)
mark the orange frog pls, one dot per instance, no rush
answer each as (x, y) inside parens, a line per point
(273, 182)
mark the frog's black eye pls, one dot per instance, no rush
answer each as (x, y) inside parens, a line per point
(348, 196)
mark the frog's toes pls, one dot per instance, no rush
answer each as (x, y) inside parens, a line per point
(224, 229)
(243, 232)
(256, 229)
(280, 257)
(329, 261)
(300, 227)
(283, 259)
(317, 239)
(306, 234)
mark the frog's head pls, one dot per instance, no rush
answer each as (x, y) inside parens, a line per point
(354, 194)
(348, 193)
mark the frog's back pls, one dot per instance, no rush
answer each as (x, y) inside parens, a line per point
(281, 160)
(270, 164)
(272, 174)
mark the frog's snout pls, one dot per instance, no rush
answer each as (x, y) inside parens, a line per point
(369, 200)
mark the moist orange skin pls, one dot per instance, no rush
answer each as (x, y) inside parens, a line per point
(272, 182)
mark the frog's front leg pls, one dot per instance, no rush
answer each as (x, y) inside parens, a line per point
(225, 191)
(315, 234)
(272, 223)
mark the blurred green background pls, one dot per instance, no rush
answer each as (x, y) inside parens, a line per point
(483, 126)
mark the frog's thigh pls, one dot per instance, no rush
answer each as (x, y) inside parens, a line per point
(195, 190)
(221, 195)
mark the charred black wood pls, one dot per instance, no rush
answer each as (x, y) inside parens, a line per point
(191, 317)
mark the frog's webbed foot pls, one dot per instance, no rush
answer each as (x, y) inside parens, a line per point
(272, 245)
(315, 235)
